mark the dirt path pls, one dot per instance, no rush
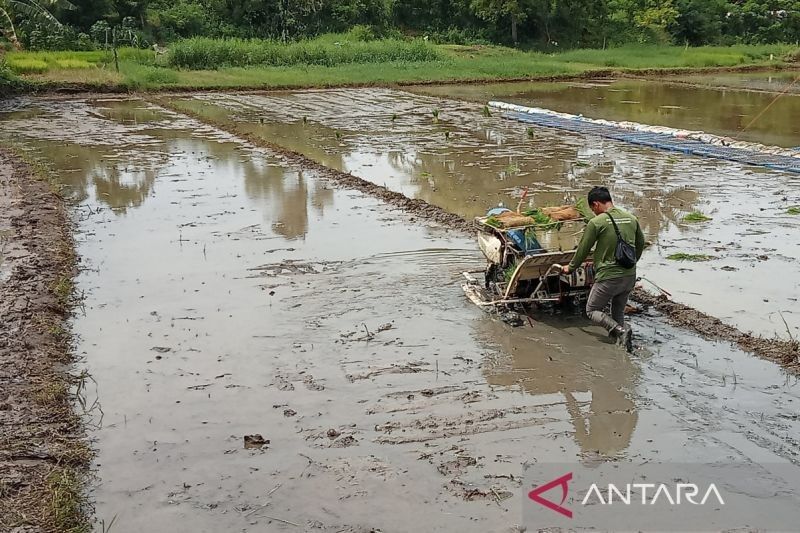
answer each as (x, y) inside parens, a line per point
(43, 456)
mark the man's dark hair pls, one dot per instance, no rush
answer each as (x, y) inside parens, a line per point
(599, 194)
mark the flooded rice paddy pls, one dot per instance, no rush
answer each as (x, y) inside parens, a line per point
(466, 162)
(703, 103)
(228, 293)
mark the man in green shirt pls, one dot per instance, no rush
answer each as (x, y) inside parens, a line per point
(612, 283)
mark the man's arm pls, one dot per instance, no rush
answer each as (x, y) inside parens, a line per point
(639, 241)
(584, 247)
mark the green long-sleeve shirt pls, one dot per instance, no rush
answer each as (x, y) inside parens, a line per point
(600, 234)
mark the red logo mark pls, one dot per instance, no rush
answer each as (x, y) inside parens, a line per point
(535, 494)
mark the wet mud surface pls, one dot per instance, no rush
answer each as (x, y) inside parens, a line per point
(464, 162)
(273, 351)
(41, 440)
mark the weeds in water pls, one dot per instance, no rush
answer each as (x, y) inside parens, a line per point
(107, 528)
(681, 256)
(446, 135)
(305, 121)
(486, 111)
(794, 210)
(696, 216)
(435, 114)
(394, 117)
(530, 132)
(511, 170)
(338, 135)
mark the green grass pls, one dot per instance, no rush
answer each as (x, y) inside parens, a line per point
(201, 53)
(63, 289)
(27, 65)
(647, 57)
(65, 489)
(794, 210)
(681, 256)
(696, 216)
(336, 60)
(73, 63)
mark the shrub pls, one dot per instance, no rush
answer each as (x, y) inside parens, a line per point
(458, 36)
(159, 76)
(361, 33)
(9, 83)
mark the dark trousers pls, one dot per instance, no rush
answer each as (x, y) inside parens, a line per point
(611, 291)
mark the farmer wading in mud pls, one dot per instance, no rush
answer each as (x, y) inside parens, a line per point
(614, 262)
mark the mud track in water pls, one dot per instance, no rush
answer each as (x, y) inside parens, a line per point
(783, 352)
(43, 456)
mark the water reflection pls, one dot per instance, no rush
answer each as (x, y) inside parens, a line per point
(482, 161)
(129, 146)
(291, 193)
(595, 381)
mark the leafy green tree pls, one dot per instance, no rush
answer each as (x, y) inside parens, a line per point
(434, 14)
(167, 21)
(699, 21)
(643, 20)
(510, 12)
(37, 10)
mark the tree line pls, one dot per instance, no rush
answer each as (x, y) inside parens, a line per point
(540, 24)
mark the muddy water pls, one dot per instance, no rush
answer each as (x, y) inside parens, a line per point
(393, 138)
(749, 116)
(773, 82)
(229, 295)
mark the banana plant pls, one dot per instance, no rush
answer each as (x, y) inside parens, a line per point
(39, 10)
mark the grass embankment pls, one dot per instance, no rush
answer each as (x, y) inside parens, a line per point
(335, 60)
(42, 443)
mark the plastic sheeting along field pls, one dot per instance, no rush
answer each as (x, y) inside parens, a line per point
(272, 352)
